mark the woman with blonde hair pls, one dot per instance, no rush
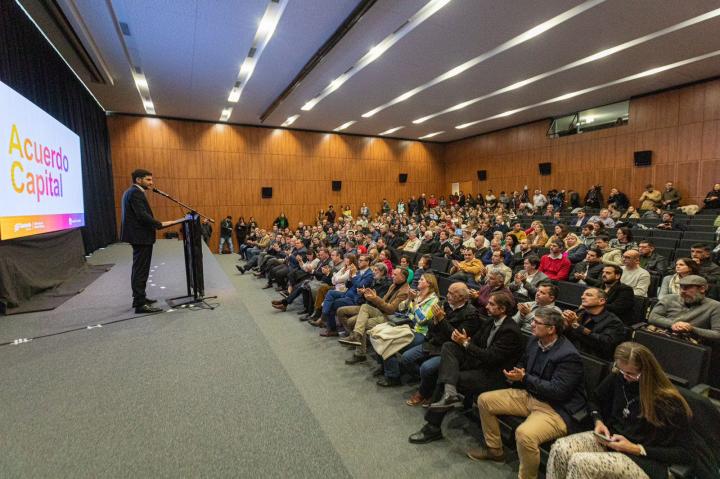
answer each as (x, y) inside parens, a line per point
(419, 310)
(641, 425)
(538, 237)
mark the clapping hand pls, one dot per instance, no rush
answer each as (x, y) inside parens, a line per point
(474, 294)
(459, 337)
(570, 317)
(369, 293)
(517, 374)
(438, 313)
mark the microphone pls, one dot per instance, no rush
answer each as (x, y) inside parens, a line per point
(160, 192)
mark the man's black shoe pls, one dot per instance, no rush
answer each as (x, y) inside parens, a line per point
(378, 372)
(387, 382)
(448, 402)
(428, 433)
(147, 309)
(240, 268)
(150, 301)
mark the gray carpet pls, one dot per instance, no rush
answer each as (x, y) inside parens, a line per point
(239, 391)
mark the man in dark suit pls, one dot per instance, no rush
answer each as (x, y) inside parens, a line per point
(620, 297)
(593, 329)
(361, 279)
(548, 389)
(473, 364)
(138, 229)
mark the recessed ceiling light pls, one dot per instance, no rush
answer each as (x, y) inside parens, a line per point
(225, 115)
(290, 120)
(522, 38)
(345, 125)
(430, 135)
(582, 61)
(391, 131)
(566, 96)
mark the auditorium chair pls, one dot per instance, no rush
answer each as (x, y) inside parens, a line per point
(657, 234)
(444, 283)
(569, 294)
(685, 363)
(700, 236)
(440, 264)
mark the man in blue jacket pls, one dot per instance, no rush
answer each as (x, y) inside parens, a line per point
(335, 299)
(548, 388)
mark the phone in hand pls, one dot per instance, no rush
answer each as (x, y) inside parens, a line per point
(603, 437)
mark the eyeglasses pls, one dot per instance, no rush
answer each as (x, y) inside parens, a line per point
(535, 321)
(628, 375)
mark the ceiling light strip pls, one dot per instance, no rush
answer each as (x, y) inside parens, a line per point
(583, 61)
(264, 33)
(522, 38)
(567, 96)
(345, 125)
(391, 131)
(430, 135)
(376, 52)
(290, 120)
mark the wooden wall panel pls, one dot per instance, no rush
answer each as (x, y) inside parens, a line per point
(220, 168)
(681, 127)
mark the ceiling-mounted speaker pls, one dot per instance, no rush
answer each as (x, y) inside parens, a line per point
(402, 177)
(266, 192)
(482, 175)
(545, 169)
(336, 185)
(643, 158)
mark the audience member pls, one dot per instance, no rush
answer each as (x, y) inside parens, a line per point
(650, 260)
(555, 265)
(548, 389)
(611, 256)
(670, 198)
(650, 199)
(588, 272)
(690, 311)
(604, 218)
(494, 282)
(497, 266)
(671, 283)
(669, 223)
(701, 254)
(527, 279)
(544, 298)
(226, 229)
(576, 249)
(592, 328)
(633, 275)
(712, 199)
(623, 240)
(620, 297)
(469, 269)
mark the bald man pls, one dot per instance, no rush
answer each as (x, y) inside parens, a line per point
(633, 275)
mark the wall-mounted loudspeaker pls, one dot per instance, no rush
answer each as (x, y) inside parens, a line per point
(336, 185)
(545, 168)
(266, 192)
(643, 158)
(482, 175)
(403, 178)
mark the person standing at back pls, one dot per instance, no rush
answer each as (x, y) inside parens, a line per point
(138, 228)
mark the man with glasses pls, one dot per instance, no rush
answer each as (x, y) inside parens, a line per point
(593, 329)
(690, 311)
(651, 261)
(633, 275)
(548, 389)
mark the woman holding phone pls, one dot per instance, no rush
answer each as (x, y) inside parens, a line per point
(641, 425)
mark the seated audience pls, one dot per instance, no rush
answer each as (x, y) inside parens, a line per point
(496, 245)
(527, 280)
(650, 259)
(701, 254)
(494, 282)
(374, 311)
(420, 311)
(633, 275)
(611, 256)
(582, 219)
(669, 223)
(588, 272)
(618, 199)
(548, 389)
(641, 424)
(576, 249)
(620, 297)
(523, 251)
(473, 363)
(712, 199)
(604, 218)
(359, 278)
(554, 264)
(469, 269)
(623, 239)
(544, 298)
(690, 311)
(587, 236)
(428, 245)
(537, 236)
(497, 265)
(424, 359)
(592, 328)
(671, 283)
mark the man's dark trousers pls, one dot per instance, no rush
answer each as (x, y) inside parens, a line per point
(142, 256)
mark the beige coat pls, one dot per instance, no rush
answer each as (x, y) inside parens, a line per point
(388, 339)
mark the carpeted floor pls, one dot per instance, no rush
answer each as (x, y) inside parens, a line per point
(239, 391)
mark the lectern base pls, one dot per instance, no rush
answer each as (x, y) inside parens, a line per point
(191, 301)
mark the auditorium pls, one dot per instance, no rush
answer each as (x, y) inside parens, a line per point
(360, 239)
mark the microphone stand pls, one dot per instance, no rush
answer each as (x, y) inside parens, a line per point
(192, 247)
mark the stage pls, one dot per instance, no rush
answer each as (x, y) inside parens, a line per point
(242, 390)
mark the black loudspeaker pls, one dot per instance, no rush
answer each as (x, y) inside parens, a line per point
(336, 185)
(643, 158)
(545, 168)
(482, 175)
(267, 191)
(403, 178)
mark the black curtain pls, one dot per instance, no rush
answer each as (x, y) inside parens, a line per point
(31, 66)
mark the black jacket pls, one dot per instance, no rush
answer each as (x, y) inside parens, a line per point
(560, 381)
(504, 352)
(607, 331)
(655, 264)
(594, 273)
(138, 224)
(465, 317)
(621, 302)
